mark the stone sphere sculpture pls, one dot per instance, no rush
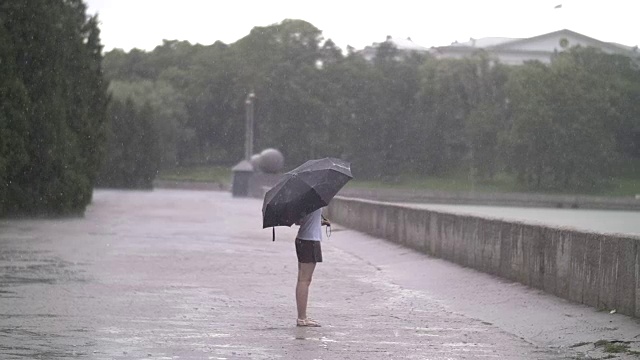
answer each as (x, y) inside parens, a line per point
(255, 161)
(271, 161)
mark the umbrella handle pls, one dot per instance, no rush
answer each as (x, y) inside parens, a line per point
(328, 231)
(274, 233)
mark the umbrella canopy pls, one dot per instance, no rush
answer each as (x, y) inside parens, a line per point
(303, 190)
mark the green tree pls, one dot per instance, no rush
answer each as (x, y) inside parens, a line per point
(461, 112)
(486, 118)
(57, 57)
(14, 127)
(132, 156)
(447, 95)
(350, 85)
(564, 121)
(282, 63)
(214, 104)
(170, 112)
(396, 105)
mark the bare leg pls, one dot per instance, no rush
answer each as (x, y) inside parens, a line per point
(305, 273)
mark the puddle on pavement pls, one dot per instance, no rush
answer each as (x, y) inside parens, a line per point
(312, 334)
(24, 335)
(23, 267)
(226, 351)
(305, 333)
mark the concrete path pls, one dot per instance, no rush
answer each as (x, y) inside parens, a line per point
(174, 274)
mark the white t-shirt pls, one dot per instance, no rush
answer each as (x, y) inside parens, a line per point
(311, 226)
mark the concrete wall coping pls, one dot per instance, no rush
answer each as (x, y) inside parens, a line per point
(505, 199)
(486, 217)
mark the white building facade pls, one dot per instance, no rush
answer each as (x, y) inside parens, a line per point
(512, 51)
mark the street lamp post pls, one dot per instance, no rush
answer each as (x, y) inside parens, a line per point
(248, 139)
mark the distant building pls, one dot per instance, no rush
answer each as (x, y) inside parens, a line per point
(403, 45)
(512, 51)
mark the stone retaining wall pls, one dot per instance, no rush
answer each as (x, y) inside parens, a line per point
(598, 270)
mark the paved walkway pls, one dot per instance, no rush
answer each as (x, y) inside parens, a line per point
(173, 274)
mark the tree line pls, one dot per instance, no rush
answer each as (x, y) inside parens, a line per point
(570, 124)
(72, 118)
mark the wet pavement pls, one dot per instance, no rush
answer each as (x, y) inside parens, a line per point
(175, 274)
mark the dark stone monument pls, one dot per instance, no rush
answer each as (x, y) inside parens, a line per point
(254, 175)
(268, 171)
(242, 174)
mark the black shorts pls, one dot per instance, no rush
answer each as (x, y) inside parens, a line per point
(308, 251)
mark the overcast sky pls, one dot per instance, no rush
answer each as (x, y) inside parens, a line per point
(144, 24)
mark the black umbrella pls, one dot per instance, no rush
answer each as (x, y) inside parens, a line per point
(303, 190)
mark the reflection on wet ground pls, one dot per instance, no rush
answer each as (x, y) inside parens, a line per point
(20, 267)
(25, 274)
